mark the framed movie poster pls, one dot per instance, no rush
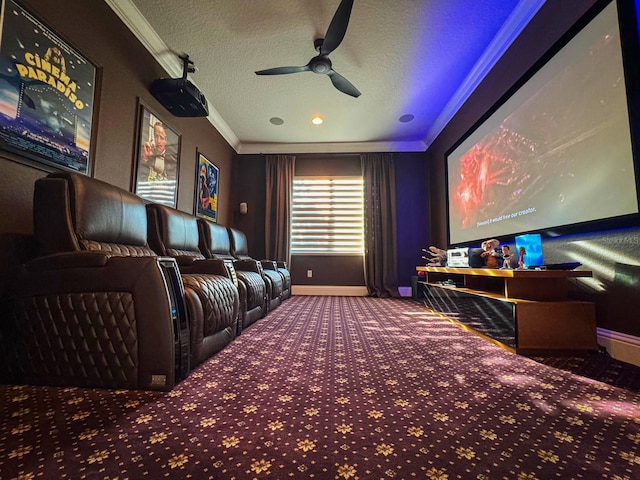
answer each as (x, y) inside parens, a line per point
(157, 159)
(207, 175)
(47, 94)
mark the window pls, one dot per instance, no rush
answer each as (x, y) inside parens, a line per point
(327, 215)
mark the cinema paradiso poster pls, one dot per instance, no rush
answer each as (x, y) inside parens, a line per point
(47, 92)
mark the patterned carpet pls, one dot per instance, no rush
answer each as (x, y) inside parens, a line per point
(332, 387)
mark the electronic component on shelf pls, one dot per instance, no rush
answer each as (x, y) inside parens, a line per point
(458, 257)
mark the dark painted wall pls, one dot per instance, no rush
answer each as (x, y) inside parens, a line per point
(338, 270)
(411, 211)
(613, 256)
(127, 68)
(249, 186)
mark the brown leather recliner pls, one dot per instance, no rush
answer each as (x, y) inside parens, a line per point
(240, 250)
(174, 233)
(97, 308)
(240, 239)
(214, 243)
(282, 268)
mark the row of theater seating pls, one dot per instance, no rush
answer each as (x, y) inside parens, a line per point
(124, 294)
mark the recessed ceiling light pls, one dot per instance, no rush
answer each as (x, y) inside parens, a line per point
(317, 120)
(406, 118)
(276, 120)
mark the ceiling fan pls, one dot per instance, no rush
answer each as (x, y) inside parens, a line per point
(324, 46)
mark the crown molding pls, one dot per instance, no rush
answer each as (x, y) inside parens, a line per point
(517, 21)
(353, 147)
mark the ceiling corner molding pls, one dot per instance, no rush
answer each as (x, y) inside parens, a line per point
(514, 25)
(223, 128)
(144, 32)
(354, 147)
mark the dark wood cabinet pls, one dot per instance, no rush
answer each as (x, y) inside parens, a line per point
(533, 306)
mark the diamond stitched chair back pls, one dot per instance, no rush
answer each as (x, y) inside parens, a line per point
(211, 286)
(240, 251)
(97, 307)
(240, 248)
(214, 243)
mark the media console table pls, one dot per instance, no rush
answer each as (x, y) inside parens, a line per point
(533, 306)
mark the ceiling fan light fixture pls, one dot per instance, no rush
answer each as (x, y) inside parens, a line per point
(317, 120)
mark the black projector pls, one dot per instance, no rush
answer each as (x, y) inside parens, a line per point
(181, 97)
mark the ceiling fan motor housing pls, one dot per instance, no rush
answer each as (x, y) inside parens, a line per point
(320, 64)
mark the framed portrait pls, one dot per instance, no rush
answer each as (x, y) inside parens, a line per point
(207, 176)
(157, 159)
(47, 94)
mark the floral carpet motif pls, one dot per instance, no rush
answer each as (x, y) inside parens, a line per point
(334, 387)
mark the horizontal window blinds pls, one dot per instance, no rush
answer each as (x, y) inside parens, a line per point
(327, 215)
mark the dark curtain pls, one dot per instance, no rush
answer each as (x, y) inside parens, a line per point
(380, 245)
(279, 178)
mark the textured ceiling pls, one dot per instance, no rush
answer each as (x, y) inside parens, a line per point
(407, 57)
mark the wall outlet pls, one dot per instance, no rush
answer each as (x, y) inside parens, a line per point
(309, 273)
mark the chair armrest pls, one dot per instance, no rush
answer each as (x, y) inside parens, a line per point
(210, 266)
(186, 260)
(248, 266)
(59, 261)
(269, 265)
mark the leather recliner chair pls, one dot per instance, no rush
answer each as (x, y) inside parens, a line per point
(240, 251)
(278, 266)
(283, 270)
(214, 322)
(214, 243)
(97, 307)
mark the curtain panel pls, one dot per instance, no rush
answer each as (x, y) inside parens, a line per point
(380, 243)
(279, 178)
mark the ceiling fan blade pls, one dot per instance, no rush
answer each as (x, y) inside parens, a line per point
(283, 70)
(338, 27)
(342, 84)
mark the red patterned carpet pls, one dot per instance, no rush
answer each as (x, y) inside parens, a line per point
(331, 387)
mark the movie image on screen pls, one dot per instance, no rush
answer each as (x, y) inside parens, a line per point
(557, 152)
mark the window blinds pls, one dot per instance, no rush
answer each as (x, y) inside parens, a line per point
(327, 215)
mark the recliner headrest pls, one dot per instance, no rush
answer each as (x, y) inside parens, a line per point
(79, 210)
(172, 232)
(239, 245)
(214, 241)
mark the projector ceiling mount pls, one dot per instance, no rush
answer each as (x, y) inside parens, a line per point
(187, 65)
(324, 46)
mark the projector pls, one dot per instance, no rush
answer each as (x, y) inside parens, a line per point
(181, 97)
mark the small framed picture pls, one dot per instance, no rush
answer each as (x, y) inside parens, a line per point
(157, 164)
(207, 175)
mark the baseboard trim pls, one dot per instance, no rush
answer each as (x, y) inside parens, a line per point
(620, 346)
(330, 290)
